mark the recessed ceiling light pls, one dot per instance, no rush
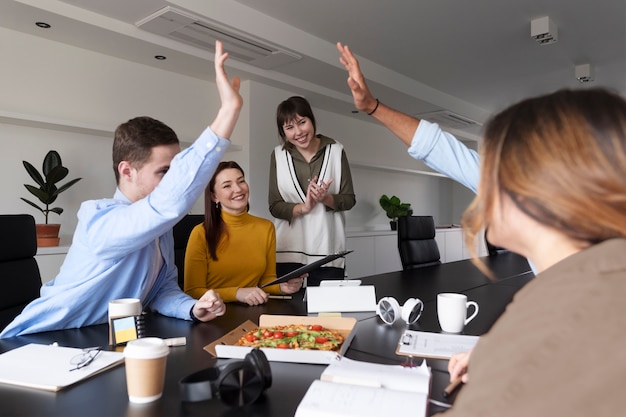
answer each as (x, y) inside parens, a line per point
(43, 25)
(160, 57)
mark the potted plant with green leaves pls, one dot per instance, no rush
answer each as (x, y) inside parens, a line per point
(394, 208)
(47, 191)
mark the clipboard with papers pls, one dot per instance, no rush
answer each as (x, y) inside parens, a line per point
(434, 345)
(307, 268)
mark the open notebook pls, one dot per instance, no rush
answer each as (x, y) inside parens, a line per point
(308, 268)
(48, 367)
(350, 388)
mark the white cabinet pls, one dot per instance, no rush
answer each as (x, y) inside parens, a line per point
(451, 243)
(375, 252)
(360, 262)
(386, 256)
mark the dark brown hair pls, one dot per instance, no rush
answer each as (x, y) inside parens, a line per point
(134, 140)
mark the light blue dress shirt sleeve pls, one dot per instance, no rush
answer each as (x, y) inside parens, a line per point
(445, 154)
(114, 247)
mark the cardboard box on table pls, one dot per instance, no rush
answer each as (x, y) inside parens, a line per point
(225, 347)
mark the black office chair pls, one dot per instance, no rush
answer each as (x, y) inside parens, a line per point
(182, 230)
(20, 280)
(416, 242)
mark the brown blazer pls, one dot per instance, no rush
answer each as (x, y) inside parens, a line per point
(560, 347)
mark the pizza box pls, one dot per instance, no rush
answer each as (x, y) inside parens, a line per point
(225, 347)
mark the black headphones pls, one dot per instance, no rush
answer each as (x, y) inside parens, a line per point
(236, 383)
(389, 310)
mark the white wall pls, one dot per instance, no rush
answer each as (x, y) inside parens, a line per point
(52, 81)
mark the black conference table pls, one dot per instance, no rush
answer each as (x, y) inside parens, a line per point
(105, 394)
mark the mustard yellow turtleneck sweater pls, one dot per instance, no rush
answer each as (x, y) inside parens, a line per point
(246, 258)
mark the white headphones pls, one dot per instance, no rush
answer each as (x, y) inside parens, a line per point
(389, 310)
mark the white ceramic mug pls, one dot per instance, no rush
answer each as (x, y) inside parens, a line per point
(124, 307)
(452, 311)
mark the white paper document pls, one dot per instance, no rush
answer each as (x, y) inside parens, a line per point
(363, 389)
(434, 345)
(48, 367)
(324, 299)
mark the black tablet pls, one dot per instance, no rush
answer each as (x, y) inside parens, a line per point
(307, 268)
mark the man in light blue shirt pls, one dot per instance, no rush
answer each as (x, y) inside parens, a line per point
(123, 247)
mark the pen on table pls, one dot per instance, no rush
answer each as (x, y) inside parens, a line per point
(280, 297)
(453, 386)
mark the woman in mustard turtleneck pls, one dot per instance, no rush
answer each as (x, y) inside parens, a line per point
(238, 255)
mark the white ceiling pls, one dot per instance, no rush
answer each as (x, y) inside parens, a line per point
(471, 57)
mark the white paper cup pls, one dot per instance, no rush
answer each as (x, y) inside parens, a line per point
(145, 368)
(452, 311)
(124, 307)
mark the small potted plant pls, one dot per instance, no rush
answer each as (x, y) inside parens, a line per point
(47, 192)
(394, 208)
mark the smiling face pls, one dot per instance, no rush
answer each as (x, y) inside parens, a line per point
(300, 132)
(231, 191)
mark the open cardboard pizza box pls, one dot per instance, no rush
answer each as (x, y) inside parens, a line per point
(225, 347)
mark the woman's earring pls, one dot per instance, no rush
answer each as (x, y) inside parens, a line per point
(217, 204)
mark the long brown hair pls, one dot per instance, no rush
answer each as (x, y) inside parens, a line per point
(561, 158)
(214, 226)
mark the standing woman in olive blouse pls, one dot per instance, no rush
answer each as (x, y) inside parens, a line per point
(310, 187)
(238, 253)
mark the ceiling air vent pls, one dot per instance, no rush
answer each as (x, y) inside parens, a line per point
(447, 118)
(202, 33)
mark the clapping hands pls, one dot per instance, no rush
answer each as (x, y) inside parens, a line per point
(319, 190)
